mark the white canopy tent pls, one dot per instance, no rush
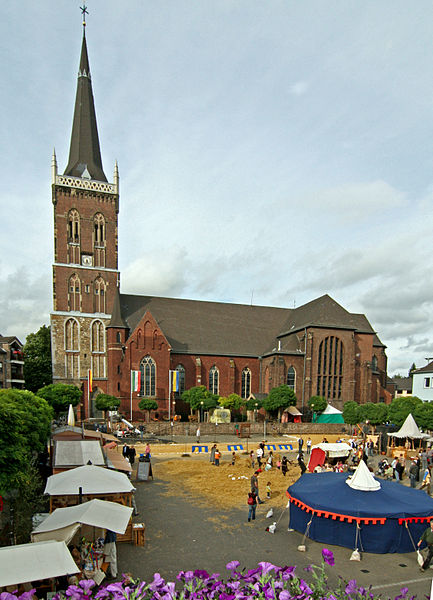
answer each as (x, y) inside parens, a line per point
(331, 410)
(33, 562)
(334, 450)
(92, 480)
(363, 479)
(63, 523)
(410, 430)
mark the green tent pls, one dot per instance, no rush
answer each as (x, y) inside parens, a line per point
(330, 415)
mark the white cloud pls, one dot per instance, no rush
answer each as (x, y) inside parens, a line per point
(299, 88)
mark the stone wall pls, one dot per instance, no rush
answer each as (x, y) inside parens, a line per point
(164, 428)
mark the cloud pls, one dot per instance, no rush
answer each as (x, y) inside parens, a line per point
(299, 88)
(25, 307)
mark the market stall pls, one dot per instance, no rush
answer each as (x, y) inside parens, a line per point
(409, 431)
(28, 563)
(89, 482)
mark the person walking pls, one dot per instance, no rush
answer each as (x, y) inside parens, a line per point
(131, 455)
(426, 480)
(427, 537)
(399, 470)
(197, 435)
(110, 552)
(301, 463)
(255, 486)
(252, 458)
(413, 473)
(259, 454)
(284, 465)
(217, 457)
(252, 503)
(212, 454)
(309, 445)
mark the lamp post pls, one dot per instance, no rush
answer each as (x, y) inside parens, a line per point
(201, 411)
(255, 412)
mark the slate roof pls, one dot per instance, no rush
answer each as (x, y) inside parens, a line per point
(84, 153)
(427, 369)
(224, 329)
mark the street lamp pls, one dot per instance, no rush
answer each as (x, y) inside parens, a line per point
(201, 411)
(255, 412)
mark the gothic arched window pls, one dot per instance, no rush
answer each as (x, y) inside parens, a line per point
(148, 377)
(181, 370)
(214, 376)
(97, 338)
(99, 288)
(72, 348)
(246, 383)
(73, 236)
(74, 293)
(374, 363)
(99, 240)
(291, 377)
(330, 368)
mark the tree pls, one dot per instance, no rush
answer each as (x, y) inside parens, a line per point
(412, 369)
(317, 403)
(232, 402)
(106, 402)
(37, 359)
(200, 398)
(374, 413)
(424, 415)
(148, 404)
(253, 404)
(60, 396)
(400, 408)
(25, 425)
(280, 398)
(351, 412)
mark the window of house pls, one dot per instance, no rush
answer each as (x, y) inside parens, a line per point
(290, 380)
(214, 380)
(148, 377)
(99, 295)
(246, 383)
(426, 382)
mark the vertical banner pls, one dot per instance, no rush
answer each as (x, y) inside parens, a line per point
(89, 390)
(135, 381)
(135, 385)
(175, 381)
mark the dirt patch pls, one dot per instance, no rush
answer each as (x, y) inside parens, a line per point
(227, 485)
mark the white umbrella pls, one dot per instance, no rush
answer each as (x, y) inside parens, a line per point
(71, 416)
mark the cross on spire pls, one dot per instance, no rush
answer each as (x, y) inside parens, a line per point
(84, 12)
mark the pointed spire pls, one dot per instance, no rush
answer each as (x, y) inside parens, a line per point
(84, 154)
(116, 177)
(53, 167)
(116, 313)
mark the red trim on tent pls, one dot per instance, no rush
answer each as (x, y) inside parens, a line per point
(349, 518)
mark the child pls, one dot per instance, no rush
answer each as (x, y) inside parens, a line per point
(217, 457)
(252, 458)
(233, 458)
(268, 490)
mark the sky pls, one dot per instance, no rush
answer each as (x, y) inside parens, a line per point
(269, 152)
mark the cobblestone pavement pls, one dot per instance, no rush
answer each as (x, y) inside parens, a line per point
(183, 534)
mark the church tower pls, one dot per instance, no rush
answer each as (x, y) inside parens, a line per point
(85, 269)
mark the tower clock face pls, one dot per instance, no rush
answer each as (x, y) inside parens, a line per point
(86, 260)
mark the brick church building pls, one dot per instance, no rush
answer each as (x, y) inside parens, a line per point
(318, 349)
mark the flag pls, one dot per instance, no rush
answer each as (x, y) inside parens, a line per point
(89, 380)
(135, 381)
(174, 381)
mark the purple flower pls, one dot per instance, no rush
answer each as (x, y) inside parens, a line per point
(285, 595)
(266, 567)
(287, 573)
(328, 557)
(351, 587)
(7, 596)
(309, 568)
(232, 565)
(305, 588)
(201, 574)
(87, 585)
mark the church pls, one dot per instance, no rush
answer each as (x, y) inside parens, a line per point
(100, 335)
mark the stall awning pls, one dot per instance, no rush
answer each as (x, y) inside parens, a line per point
(337, 450)
(92, 480)
(32, 562)
(64, 522)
